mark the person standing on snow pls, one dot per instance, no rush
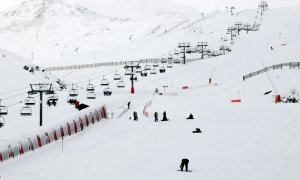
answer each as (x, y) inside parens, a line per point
(184, 162)
(135, 116)
(156, 117)
(165, 116)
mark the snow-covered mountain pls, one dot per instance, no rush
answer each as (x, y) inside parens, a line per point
(53, 29)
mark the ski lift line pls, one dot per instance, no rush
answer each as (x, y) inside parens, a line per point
(8, 92)
(10, 97)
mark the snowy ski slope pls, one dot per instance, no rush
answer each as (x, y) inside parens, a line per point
(254, 139)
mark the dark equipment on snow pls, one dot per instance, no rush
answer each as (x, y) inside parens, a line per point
(268, 92)
(197, 130)
(184, 162)
(190, 116)
(81, 107)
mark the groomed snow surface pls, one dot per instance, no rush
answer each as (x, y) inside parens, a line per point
(255, 139)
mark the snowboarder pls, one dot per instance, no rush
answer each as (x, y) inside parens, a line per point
(184, 162)
(190, 116)
(128, 105)
(135, 116)
(165, 116)
(156, 117)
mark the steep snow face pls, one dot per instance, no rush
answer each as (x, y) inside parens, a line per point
(135, 9)
(47, 30)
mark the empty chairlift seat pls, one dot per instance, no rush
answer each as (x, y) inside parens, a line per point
(128, 72)
(91, 95)
(117, 76)
(121, 84)
(26, 111)
(138, 70)
(153, 71)
(30, 101)
(73, 93)
(147, 67)
(104, 82)
(155, 64)
(3, 110)
(90, 87)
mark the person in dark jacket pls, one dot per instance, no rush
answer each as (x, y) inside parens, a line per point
(156, 117)
(165, 116)
(135, 116)
(184, 162)
(128, 104)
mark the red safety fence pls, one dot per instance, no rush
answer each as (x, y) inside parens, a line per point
(69, 128)
(236, 101)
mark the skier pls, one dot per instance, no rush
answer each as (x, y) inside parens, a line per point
(190, 116)
(135, 116)
(165, 116)
(184, 162)
(156, 117)
(128, 105)
(272, 48)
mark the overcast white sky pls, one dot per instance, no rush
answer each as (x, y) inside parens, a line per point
(203, 5)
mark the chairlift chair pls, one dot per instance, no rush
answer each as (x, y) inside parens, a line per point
(117, 76)
(147, 67)
(73, 93)
(177, 61)
(104, 82)
(54, 97)
(170, 64)
(2, 122)
(162, 69)
(138, 70)
(128, 72)
(107, 91)
(153, 71)
(26, 111)
(170, 57)
(3, 110)
(90, 87)
(91, 95)
(155, 64)
(30, 101)
(121, 84)
(163, 60)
